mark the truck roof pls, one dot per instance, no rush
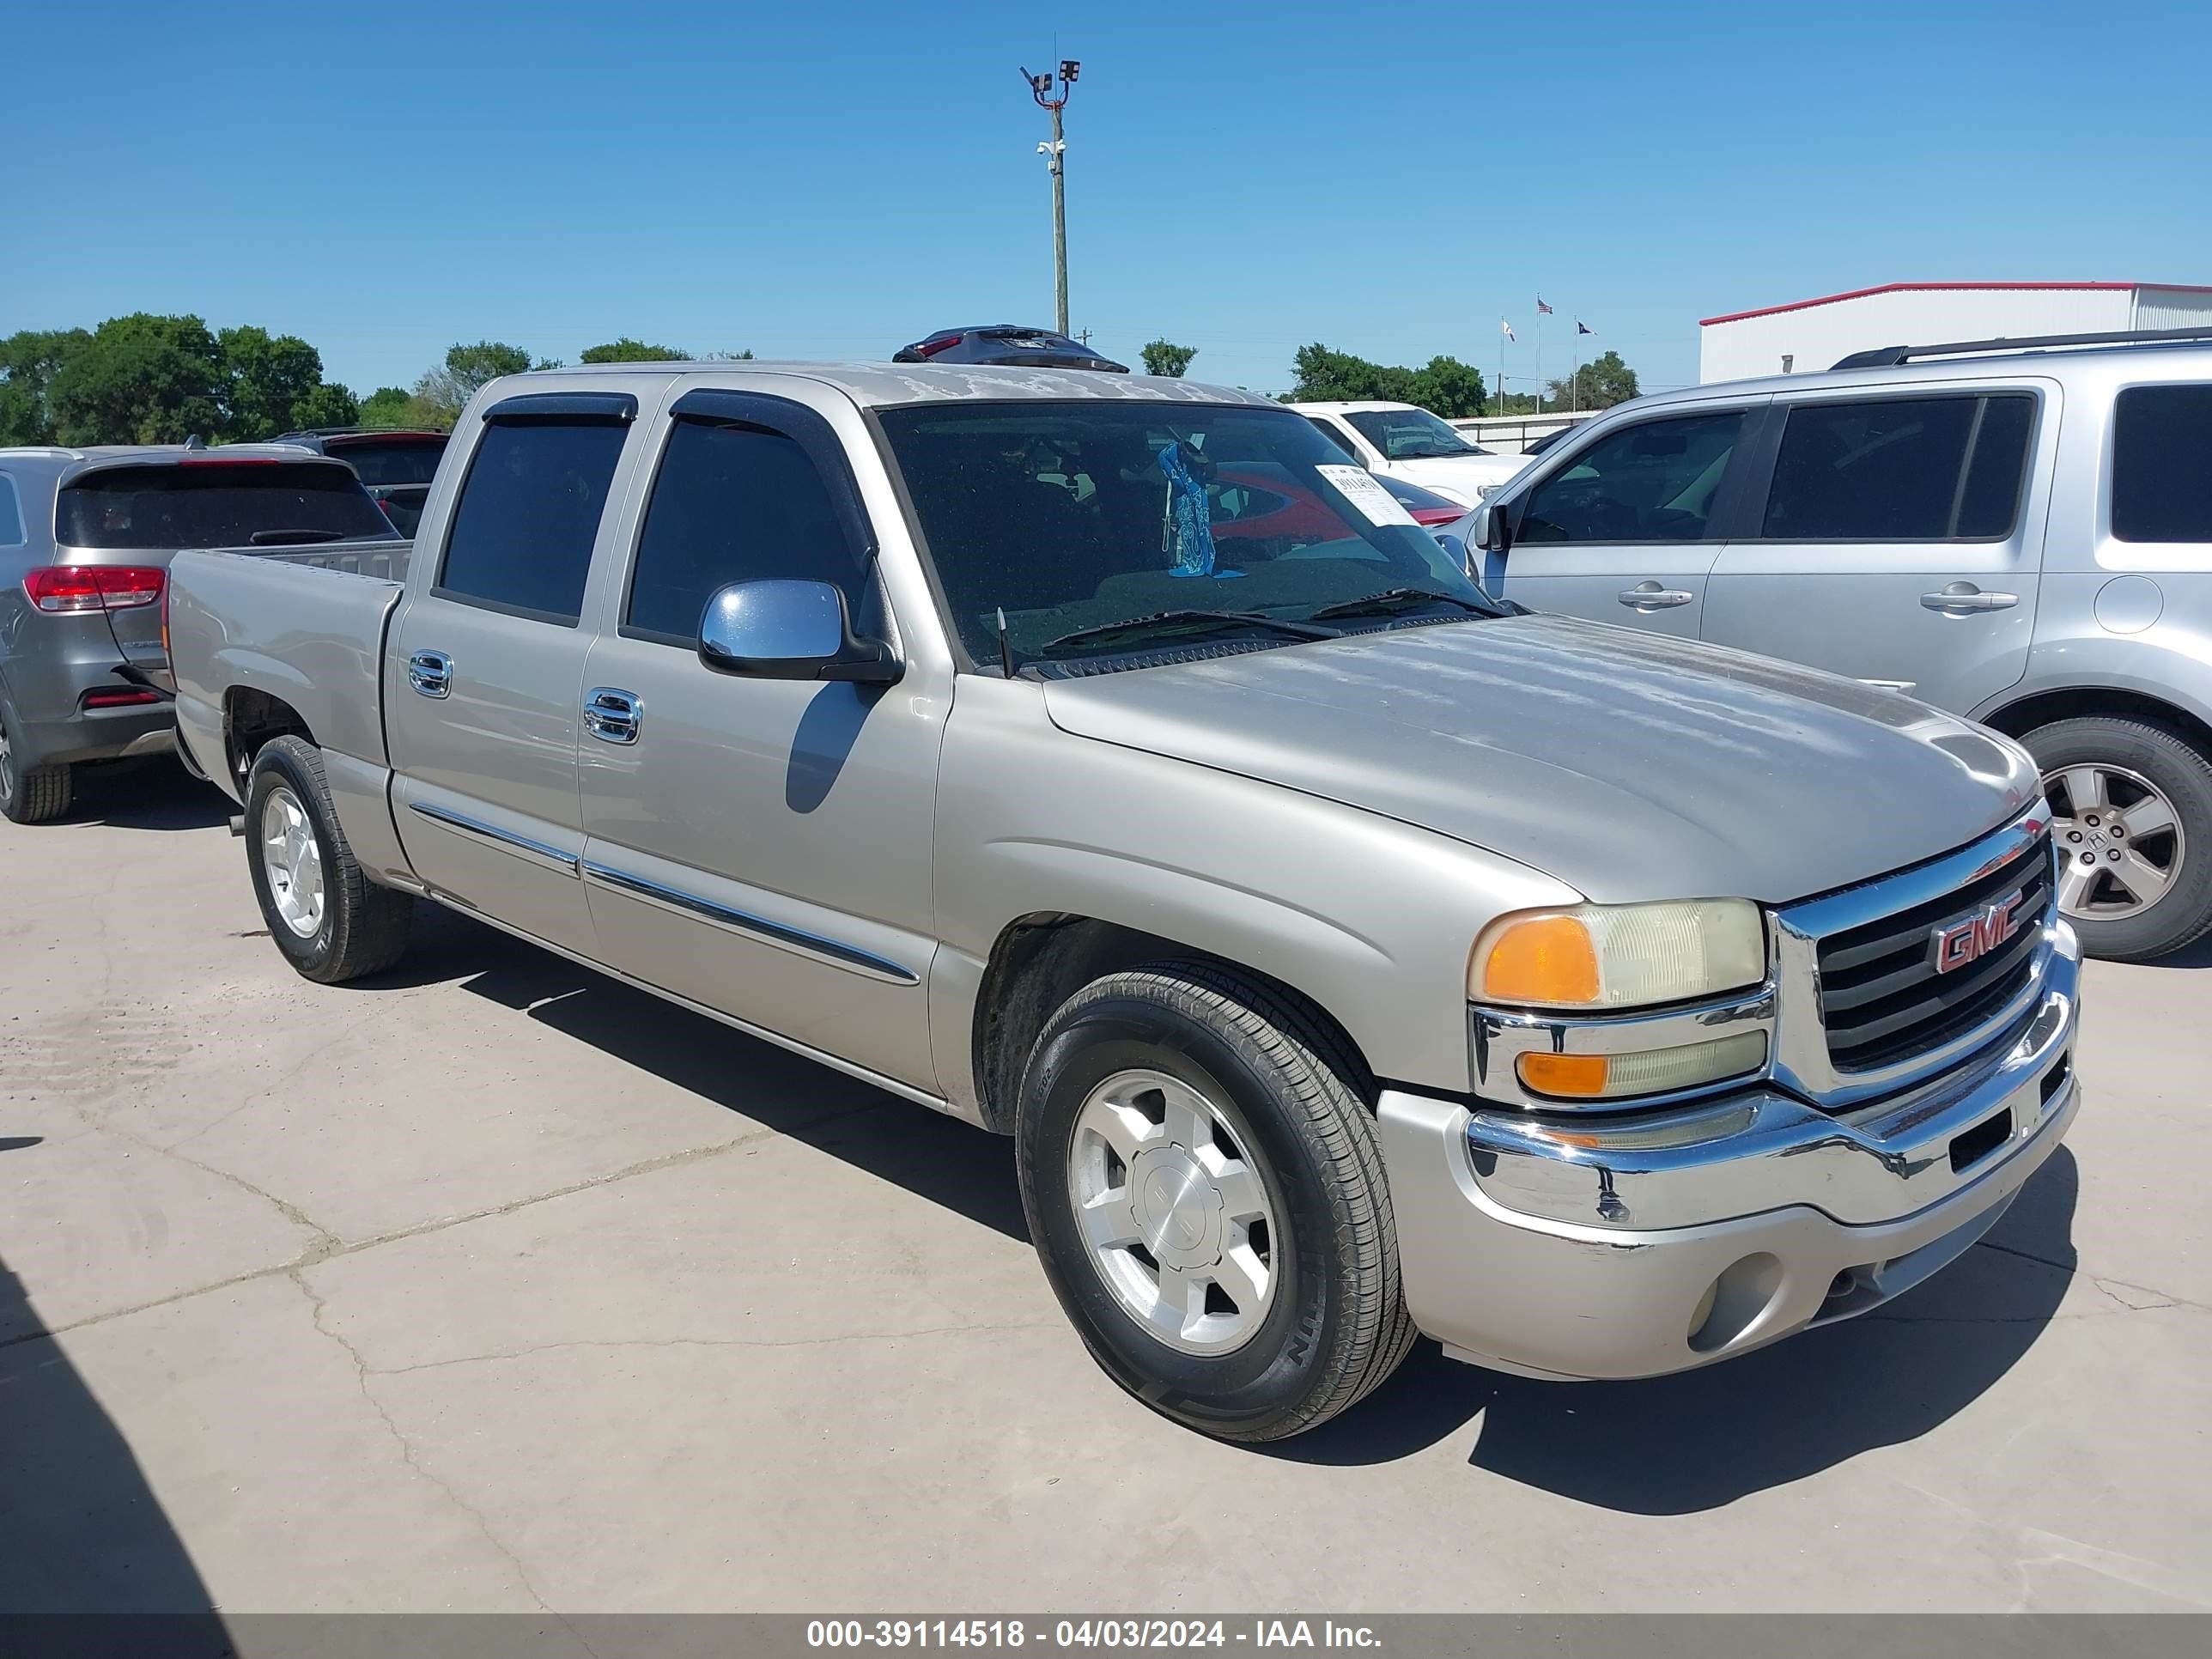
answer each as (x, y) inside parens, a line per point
(876, 385)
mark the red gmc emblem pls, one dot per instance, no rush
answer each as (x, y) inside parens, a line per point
(1960, 942)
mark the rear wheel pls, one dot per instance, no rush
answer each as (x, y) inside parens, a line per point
(330, 921)
(2131, 808)
(1201, 1178)
(29, 794)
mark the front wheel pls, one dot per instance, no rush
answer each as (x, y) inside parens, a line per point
(330, 921)
(2132, 807)
(1203, 1183)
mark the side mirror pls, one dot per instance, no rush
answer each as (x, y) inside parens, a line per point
(790, 630)
(1493, 528)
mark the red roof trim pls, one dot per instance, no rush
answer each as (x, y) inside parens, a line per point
(1929, 288)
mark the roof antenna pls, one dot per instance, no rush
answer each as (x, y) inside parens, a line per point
(1006, 650)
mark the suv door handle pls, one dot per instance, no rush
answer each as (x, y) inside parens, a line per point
(1649, 596)
(431, 672)
(612, 716)
(1964, 599)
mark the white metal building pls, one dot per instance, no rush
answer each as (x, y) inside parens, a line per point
(1809, 335)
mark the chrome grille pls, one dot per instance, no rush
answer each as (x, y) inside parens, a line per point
(1882, 1000)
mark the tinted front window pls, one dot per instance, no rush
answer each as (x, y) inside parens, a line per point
(2162, 464)
(1336, 439)
(1915, 469)
(734, 503)
(528, 513)
(1652, 483)
(1409, 435)
(1073, 515)
(217, 504)
(390, 463)
(11, 513)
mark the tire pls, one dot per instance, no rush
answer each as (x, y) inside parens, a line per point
(2134, 756)
(1283, 1090)
(357, 927)
(30, 795)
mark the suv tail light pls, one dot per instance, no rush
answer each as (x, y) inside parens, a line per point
(69, 587)
(931, 348)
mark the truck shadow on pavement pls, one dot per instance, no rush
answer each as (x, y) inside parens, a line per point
(938, 1157)
(80, 1530)
(1699, 1440)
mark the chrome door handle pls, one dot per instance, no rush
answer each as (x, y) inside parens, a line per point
(431, 672)
(1964, 599)
(1649, 596)
(612, 716)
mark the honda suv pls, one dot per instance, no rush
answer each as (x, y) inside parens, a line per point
(2019, 531)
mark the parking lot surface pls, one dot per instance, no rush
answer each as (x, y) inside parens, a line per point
(490, 1284)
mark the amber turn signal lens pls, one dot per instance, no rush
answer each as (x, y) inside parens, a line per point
(1570, 1077)
(1545, 959)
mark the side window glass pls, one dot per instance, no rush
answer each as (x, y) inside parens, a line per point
(735, 502)
(2161, 476)
(529, 511)
(1653, 482)
(1909, 469)
(11, 513)
(1328, 431)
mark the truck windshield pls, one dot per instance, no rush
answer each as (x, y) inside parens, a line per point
(1410, 435)
(1072, 517)
(190, 504)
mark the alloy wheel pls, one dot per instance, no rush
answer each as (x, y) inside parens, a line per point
(1174, 1211)
(2120, 842)
(293, 860)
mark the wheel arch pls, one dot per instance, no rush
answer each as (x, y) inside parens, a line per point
(1041, 959)
(2020, 714)
(250, 719)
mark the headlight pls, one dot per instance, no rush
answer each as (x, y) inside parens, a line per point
(1601, 957)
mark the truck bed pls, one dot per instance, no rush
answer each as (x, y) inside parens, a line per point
(304, 625)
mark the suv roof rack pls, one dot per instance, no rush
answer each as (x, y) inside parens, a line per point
(1894, 356)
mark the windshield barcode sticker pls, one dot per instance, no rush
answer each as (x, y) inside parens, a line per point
(1357, 485)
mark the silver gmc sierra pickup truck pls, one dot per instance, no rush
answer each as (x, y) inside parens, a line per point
(1111, 763)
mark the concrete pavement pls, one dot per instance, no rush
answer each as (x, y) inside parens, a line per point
(495, 1285)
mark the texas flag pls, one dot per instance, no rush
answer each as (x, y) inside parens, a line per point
(1506, 328)
(1545, 309)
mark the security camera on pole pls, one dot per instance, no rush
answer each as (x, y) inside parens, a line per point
(1056, 154)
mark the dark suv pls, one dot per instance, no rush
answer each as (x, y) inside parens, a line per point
(395, 466)
(1005, 345)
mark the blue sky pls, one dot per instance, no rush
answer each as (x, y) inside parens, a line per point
(834, 178)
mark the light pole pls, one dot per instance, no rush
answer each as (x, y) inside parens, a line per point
(1056, 154)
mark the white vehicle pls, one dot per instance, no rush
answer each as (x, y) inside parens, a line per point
(1400, 441)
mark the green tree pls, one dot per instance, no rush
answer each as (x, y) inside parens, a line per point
(327, 404)
(1446, 386)
(141, 380)
(1164, 357)
(626, 350)
(385, 406)
(1600, 382)
(28, 364)
(268, 377)
(444, 392)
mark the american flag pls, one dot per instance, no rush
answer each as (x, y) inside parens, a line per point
(1542, 306)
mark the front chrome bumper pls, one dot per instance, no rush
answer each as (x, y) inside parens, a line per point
(1599, 1247)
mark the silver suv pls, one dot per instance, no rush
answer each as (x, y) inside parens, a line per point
(86, 536)
(2016, 531)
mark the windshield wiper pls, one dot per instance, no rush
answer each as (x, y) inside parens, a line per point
(1392, 600)
(294, 537)
(1184, 621)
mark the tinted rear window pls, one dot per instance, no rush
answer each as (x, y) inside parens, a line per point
(2162, 464)
(522, 533)
(11, 516)
(217, 504)
(413, 461)
(1909, 469)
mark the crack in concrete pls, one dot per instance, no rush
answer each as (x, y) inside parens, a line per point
(407, 1456)
(829, 1341)
(328, 1247)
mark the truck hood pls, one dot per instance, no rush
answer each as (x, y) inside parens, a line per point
(1628, 765)
(1460, 477)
